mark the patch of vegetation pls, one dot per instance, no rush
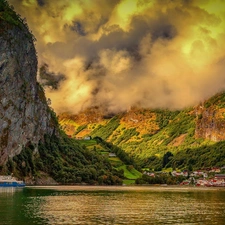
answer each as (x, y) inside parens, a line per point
(104, 131)
(218, 100)
(201, 157)
(163, 117)
(182, 124)
(130, 172)
(119, 159)
(66, 161)
(190, 159)
(8, 15)
(126, 135)
(182, 128)
(125, 157)
(128, 182)
(80, 128)
(160, 179)
(88, 143)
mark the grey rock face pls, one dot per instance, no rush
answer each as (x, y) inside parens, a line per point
(24, 114)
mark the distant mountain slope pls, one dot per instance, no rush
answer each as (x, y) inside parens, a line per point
(145, 133)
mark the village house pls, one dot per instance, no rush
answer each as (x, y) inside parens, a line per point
(202, 182)
(87, 138)
(199, 174)
(149, 174)
(222, 168)
(79, 137)
(220, 177)
(185, 182)
(176, 174)
(215, 170)
(112, 154)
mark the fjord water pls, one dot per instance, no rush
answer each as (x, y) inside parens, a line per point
(111, 205)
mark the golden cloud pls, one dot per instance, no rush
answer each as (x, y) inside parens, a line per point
(117, 54)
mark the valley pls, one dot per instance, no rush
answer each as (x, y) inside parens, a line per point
(159, 139)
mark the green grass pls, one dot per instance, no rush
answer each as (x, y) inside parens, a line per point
(88, 143)
(170, 169)
(128, 182)
(130, 174)
(103, 153)
(115, 161)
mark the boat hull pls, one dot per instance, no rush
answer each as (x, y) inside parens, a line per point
(12, 184)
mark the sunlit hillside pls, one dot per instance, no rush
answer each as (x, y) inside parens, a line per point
(148, 134)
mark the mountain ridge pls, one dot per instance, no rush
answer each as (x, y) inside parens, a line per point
(145, 133)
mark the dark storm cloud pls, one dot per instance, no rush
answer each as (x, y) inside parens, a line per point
(41, 2)
(154, 53)
(78, 27)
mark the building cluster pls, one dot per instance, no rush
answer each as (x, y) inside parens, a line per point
(218, 180)
(210, 177)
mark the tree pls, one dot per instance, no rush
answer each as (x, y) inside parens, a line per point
(166, 158)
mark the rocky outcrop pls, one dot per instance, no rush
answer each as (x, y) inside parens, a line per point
(24, 114)
(42, 179)
(210, 123)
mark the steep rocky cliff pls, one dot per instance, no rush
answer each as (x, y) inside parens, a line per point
(24, 114)
(210, 122)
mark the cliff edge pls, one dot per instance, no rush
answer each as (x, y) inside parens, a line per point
(24, 113)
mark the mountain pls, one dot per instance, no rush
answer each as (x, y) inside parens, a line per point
(32, 146)
(24, 113)
(194, 137)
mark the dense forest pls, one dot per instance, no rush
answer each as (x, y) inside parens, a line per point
(66, 161)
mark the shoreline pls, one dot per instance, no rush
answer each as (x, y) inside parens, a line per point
(125, 188)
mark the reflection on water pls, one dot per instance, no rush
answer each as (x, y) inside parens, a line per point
(112, 205)
(9, 205)
(128, 206)
(9, 190)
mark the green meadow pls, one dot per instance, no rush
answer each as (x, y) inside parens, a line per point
(129, 172)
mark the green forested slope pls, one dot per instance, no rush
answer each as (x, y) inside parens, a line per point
(66, 161)
(194, 136)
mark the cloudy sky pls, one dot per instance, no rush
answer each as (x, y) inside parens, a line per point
(123, 53)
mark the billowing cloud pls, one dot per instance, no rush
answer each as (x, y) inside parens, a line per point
(122, 53)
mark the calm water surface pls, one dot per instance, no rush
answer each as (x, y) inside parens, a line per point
(111, 205)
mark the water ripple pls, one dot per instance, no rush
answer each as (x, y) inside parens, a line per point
(129, 207)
